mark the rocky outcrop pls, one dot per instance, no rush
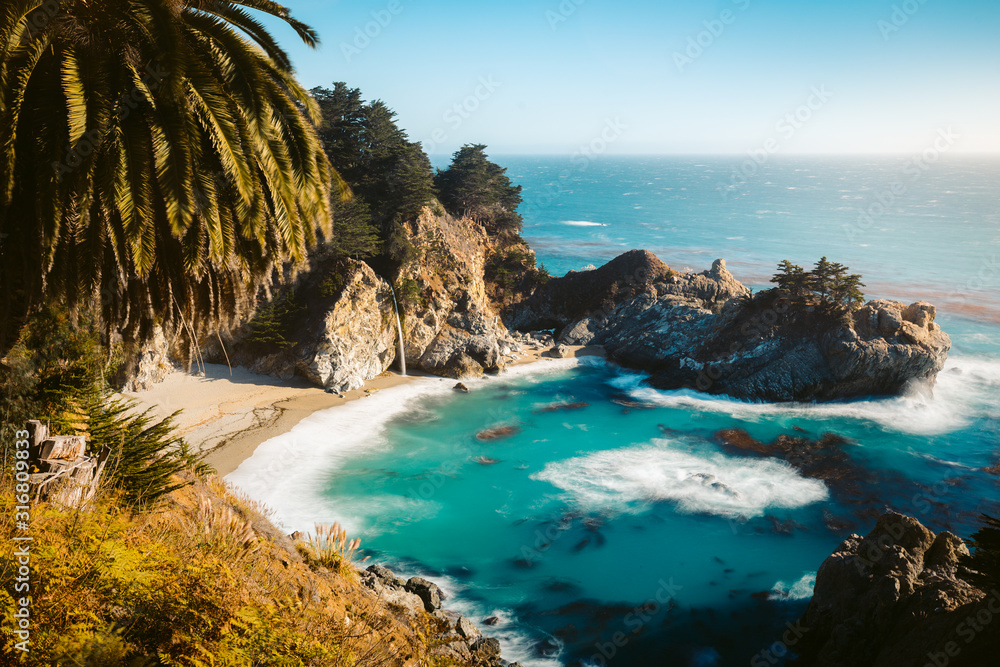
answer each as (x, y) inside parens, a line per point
(704, 331)
(896, 598)
(450, 326)
(457, 638)
(339, 338)
(154, 362)
(334, 324)
(578, 301)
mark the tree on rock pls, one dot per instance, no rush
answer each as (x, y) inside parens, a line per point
(828, 283)
(390, 176)
(475, 187)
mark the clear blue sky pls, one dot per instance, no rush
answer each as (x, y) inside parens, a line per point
(894, 72)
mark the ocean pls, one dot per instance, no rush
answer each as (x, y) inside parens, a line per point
(619, 530)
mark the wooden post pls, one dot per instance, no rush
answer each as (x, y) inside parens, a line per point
(37, 434)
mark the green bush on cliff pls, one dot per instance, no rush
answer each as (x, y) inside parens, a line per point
(828, 284)
(272, 324)
(475, 187)
(389, 175)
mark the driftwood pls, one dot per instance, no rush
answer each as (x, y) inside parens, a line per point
(66, 473)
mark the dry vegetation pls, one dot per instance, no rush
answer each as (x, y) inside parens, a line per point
(202, 579)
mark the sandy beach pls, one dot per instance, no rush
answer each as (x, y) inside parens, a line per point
(227, 413)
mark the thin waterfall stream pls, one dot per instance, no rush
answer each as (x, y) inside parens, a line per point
(399, 331)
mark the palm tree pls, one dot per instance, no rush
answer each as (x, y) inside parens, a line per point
(155, 155)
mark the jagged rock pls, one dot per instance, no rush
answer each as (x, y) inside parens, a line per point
(486, 649)
(427, 591)
(492, 620)
(581, 295)
(341, 339)
(560, 352)
(389, 590)
(700, 331)
(387, 576)
(895, 598)
(452, 329)
(467, 628)
(153, 365)
(460, 387)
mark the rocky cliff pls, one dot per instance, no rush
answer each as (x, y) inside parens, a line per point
(336, 329)
(336, 325)
(450, 325)
(704, 331)
(896, 598)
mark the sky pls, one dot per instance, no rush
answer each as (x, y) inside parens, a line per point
(668, 76)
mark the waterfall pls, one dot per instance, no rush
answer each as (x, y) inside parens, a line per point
(399, 330)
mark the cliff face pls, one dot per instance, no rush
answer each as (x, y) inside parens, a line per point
(702, 331)
(450, 326)
(336, 327)
(896, 598)
(339, 338)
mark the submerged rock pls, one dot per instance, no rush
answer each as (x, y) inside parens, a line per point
(497, 433)
(556, 407)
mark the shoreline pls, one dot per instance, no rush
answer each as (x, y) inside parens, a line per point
(227, 414)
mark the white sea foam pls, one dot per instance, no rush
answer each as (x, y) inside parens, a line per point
(629, 479)
(289, 473)
(516, 642)
(583, 223)
(957, 398)
(799, 590)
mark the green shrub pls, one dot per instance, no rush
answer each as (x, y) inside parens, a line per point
(272, 325)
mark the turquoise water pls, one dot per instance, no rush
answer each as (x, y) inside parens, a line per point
(621, 531)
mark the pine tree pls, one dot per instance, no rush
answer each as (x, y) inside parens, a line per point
(389, 175)
(846, 291)
(353, 235)
(791, 278)
(475, 187)
(828, 281)
(820, 277)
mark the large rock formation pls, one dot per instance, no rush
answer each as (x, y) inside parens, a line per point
(450, 326)
(895, 598)
(341, 335)
(153, 363)
(338, 327)
(703, 331)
